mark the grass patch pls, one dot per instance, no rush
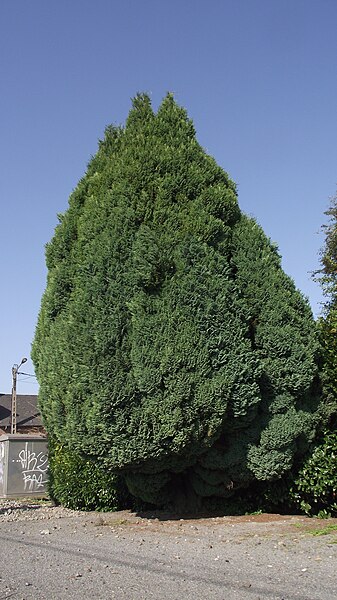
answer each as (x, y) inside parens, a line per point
(254, 513)
(323, 530)
(318, 531)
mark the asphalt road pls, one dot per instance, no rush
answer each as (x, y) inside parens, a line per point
(59, 554)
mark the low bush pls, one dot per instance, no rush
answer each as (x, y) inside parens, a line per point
(315, 488)
(81, 483)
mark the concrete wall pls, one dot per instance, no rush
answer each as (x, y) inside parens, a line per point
(23, 466)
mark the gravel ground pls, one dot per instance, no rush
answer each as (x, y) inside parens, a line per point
(54, 553)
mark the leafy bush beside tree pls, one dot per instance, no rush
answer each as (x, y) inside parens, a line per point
(170, 344)
(328, 324)
(315, 488)
(83, 484)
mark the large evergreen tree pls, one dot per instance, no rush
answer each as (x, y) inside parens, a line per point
(170, 344)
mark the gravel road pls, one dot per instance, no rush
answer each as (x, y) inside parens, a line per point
(54, 553)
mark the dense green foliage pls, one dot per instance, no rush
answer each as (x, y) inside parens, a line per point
(83, 484)
(315, 488)
(170, 344)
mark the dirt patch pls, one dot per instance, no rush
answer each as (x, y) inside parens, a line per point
(241, 526)
(170, 524)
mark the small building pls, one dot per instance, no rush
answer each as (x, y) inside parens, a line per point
(28, 418)
(23, 455)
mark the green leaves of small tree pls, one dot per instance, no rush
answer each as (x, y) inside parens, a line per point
(328, 279)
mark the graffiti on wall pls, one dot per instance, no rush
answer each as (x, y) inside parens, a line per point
(2, 459)
(34, 466)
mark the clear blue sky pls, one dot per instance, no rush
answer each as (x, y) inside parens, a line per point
(258, 77)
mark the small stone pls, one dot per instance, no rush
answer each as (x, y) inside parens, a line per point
(45, 532)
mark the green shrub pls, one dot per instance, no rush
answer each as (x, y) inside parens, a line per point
(315, 488)
(82, 484)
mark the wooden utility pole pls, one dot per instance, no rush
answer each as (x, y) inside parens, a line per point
(13, 416)
(15, 370)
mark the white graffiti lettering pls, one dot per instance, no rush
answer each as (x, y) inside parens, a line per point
(32, 481)
(2, 458)
(34, 468)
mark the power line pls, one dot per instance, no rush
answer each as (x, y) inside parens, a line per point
(28, 374)
(28, 381)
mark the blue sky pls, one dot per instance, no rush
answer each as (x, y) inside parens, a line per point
(258, 77)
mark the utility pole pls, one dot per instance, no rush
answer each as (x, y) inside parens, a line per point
(15, 370)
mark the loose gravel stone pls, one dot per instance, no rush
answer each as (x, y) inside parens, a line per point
(53, 553)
